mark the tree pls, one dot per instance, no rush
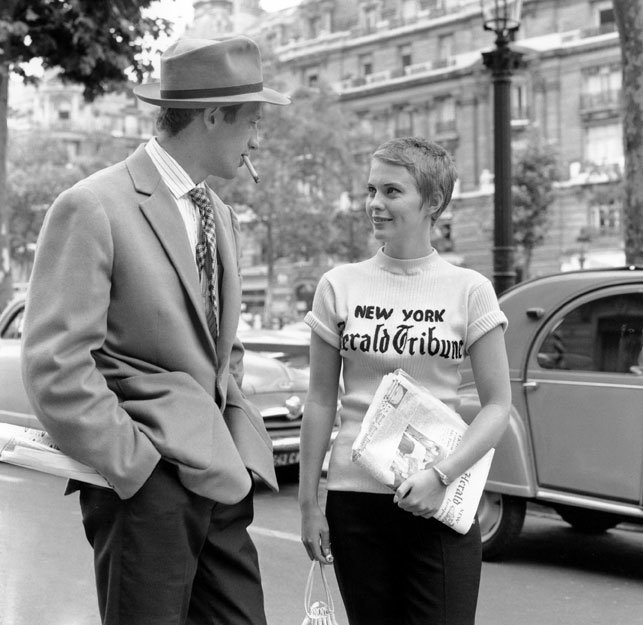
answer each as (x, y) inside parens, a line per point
(534, 172)
(37, 172)
(629, 19)
(91, 42)
(306, 161)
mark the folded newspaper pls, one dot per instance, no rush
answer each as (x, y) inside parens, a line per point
(407, 429)
(34, 449)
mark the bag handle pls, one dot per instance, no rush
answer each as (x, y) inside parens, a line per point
(309, 589)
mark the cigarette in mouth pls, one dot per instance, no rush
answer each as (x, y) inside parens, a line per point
(251, 169)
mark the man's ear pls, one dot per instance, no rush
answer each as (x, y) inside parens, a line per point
(211, 115)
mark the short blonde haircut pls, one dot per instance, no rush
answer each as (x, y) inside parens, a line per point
(431, 166)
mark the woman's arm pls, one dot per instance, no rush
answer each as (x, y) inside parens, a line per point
(422, 493)
(319, 416)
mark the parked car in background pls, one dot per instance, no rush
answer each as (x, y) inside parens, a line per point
(291, 346)
(575, 438)
(278, 390)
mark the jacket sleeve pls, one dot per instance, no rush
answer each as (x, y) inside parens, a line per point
(65, 322)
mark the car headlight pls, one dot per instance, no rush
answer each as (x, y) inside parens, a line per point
(295, 407)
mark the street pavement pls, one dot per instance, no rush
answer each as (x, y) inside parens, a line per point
(555, 576)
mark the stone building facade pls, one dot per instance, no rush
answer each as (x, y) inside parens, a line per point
(415, 67)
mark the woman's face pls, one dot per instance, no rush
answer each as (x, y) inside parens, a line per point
(399, 216)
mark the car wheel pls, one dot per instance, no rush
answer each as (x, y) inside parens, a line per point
(588, 521)
(501, 518)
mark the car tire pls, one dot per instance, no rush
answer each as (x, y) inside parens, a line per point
(501, 518)
(588, 521)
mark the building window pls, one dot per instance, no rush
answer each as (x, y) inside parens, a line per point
(519, 107)
(310, 76)
(314, 26)
(601, 88)
(409, 10)
(604, 144)
(404, 123)
(445, 120)
(605, 15)
(605, 219)
(64, 115)
(366, 64)
(602, 79)
(445, 47)
(406, 57)
(370, 17)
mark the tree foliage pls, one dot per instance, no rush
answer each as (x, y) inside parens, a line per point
(629, 19)
(535, 169)
(38, 171)
(96, 43)
(91, 42)
(309, 155)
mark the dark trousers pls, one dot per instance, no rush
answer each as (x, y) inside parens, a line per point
(394, 568)
(169, 557)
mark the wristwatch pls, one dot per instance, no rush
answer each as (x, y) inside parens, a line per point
(443, 476)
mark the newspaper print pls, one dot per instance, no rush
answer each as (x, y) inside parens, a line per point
(34, 449)
(407, 429)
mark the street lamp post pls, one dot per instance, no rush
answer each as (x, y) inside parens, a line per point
(503, 18)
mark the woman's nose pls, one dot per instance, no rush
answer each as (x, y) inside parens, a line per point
(374, 201)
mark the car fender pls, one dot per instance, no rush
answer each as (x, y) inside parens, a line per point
(512, 470)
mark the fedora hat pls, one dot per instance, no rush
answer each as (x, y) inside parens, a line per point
(197, 73)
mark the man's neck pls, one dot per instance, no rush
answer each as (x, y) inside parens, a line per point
(183, 151)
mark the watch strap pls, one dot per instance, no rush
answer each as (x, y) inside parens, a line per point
(444, 478)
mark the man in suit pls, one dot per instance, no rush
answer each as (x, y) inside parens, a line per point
(130, 356)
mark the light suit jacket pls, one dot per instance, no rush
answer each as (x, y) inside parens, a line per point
(118, 361)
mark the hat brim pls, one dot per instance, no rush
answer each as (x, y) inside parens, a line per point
(151, 93)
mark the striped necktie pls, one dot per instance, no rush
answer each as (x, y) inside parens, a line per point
(206, 254)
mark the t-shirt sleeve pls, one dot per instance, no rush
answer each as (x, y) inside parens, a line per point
(484, 313)
(323, 319)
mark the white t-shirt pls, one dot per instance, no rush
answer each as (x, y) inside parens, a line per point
(421, 315)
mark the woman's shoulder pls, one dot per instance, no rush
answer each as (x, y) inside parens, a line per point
(464, 275)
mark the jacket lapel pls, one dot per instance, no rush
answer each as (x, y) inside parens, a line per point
(160, 210)
(230, 305)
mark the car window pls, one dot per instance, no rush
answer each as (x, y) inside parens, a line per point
(605, 334)
(13, 330)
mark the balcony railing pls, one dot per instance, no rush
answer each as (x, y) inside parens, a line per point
(603, 100)
(378, 76)
(384, 76)
(586, 33)
(595, 31)
(446, 127)
(428, 66)
(520, 113)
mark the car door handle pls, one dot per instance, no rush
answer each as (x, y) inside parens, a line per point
(530, 386)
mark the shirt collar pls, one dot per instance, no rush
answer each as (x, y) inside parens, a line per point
(177, 180)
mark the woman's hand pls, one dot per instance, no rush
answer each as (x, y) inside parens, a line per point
(315, 534)
(421, 494)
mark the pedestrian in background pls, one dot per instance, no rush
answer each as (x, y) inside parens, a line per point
(130, 355)
(394, 563)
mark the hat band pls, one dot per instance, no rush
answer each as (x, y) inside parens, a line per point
(218, 92)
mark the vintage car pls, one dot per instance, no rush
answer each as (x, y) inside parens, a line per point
(278, 390)
(575, 438)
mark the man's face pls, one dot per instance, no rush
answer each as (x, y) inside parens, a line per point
(228, 141)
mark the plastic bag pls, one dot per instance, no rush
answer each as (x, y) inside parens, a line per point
(319, 612)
